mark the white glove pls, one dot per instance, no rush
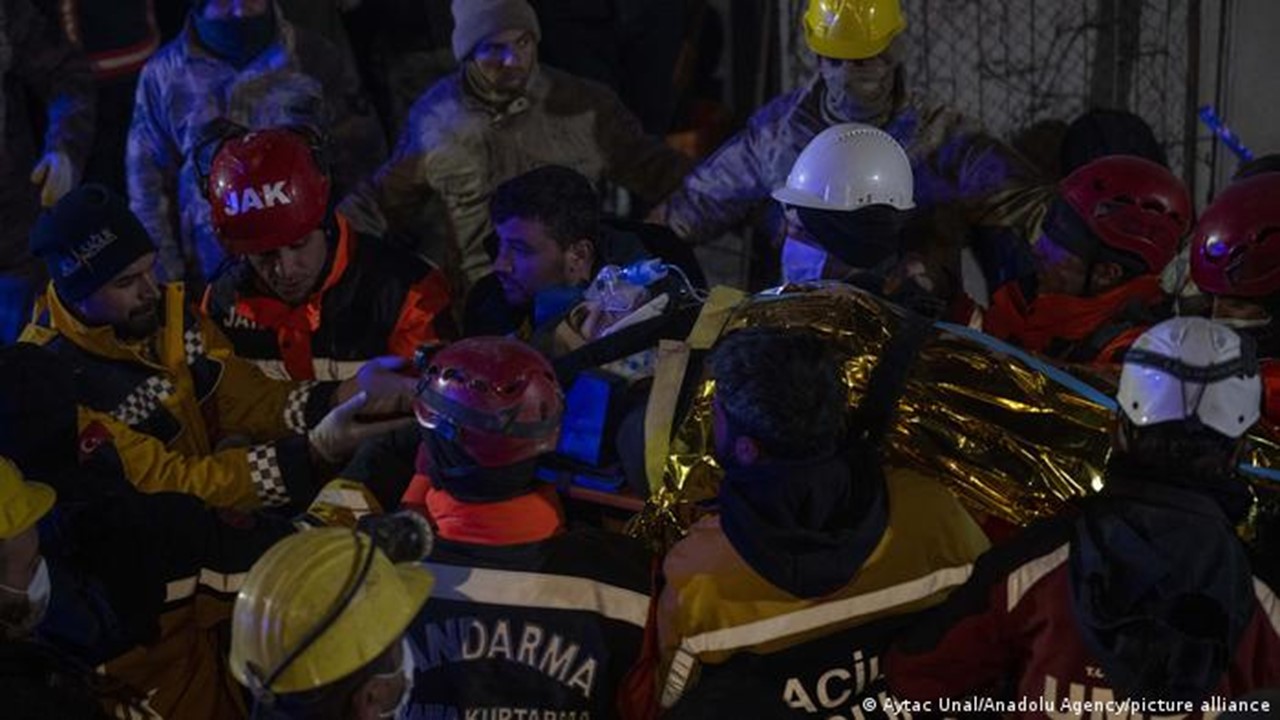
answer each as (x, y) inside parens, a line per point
(340, 433)
(56, 175)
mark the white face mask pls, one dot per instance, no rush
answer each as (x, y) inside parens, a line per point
(37, 593)
(802, 262)
(406, 670)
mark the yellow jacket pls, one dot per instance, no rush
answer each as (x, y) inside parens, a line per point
(714, 605)
(172, 403)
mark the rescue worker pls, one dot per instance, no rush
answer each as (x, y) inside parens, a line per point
(529, 616)
(552, 242)
(817, 554)
(1090, 284)
(848, 204)
(1140, 592)
(126, 582)
(308, 297)
(141, 577)
(1233, 261)
(33, 58)
(24, 575)
(238, 60)
(500, 115)
(186, 414)
(319, 626)
(861, 79)
(117, 38)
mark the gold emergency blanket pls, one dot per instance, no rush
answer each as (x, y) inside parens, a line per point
(1013, 436)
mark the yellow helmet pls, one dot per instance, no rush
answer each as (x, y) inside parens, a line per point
(334, 584)
(852, 29)
(22, 503)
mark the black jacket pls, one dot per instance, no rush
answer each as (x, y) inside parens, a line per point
(548, 628)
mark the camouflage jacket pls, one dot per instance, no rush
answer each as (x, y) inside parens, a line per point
(953, 162)
(300, 79)
(460, 148)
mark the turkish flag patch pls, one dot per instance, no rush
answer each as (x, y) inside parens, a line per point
(94, 436)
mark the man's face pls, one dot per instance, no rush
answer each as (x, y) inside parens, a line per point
(530, 260)
(293, 272)
(506, 59)
(129, 303)
(225, 9)
(1058, 270)
(859, 90)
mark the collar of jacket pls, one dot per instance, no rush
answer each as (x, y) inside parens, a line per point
(535, 93)
(294, 325)
(275, 55)
(532, 517)
(102, 340)
(805, 526)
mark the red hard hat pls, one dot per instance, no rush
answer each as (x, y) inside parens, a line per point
(1132, 205)
(267, 190)
(496, 397)
(1235, 249)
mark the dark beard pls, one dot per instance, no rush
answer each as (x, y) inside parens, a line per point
(140, 325)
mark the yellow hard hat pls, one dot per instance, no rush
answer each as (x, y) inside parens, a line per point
(22, 503)
(297, 590)
(852, 29)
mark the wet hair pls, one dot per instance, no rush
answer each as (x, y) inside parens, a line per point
(784, 389)
(559, 198)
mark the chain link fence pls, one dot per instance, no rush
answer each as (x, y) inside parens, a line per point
(1011, 64)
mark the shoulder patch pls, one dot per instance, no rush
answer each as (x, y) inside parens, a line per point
(93, 437)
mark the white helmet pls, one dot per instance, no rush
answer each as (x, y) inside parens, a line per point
(848, 167)
(1192, 367)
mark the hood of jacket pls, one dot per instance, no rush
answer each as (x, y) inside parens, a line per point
(807, 527)
(1161, 587)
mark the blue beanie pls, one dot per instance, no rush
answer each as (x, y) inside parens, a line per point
(87, 239)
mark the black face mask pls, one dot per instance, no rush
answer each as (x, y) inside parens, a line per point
(457, 473)
(863, 238)
(236, 40)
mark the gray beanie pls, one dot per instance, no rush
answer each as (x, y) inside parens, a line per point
(475, 20)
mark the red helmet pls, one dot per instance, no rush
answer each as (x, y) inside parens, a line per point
(267, 190)
(1132, 205)
(496, 397)
(1236, 246)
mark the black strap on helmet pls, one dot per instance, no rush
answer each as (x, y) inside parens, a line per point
(1246, 365)
(263, 694)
